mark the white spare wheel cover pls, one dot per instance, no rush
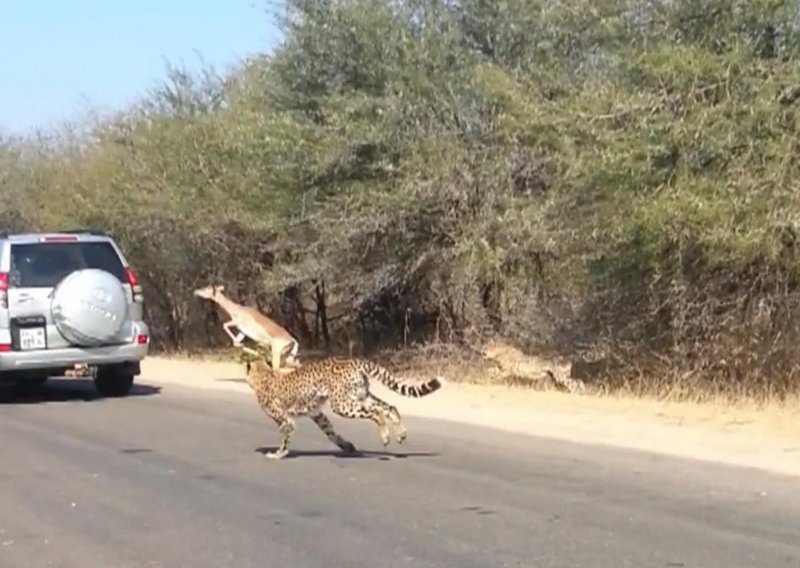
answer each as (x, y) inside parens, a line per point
(89, 307)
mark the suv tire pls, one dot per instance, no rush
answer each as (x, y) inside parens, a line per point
(113, 382)
(8, 392)
(32, 386)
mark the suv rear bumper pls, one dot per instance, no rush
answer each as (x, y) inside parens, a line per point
(67, 357)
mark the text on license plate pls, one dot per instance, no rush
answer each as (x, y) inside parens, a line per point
(32, 338)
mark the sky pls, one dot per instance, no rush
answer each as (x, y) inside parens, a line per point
(61, 58)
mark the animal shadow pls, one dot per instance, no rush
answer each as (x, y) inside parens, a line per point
(340, 454)
(72, 390)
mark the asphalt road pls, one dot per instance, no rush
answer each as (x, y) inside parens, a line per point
(176, 478)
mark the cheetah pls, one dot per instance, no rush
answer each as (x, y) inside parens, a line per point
(514, 363)
(342, 383)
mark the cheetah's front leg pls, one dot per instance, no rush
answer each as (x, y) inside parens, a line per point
(286, 427)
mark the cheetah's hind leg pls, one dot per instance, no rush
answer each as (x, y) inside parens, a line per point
(325, 425)
(391, 414)
(358, 409)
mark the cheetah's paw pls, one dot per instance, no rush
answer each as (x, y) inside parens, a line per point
(276, 455)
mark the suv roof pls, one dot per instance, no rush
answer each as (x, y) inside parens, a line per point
(78, 234)
(12, 241)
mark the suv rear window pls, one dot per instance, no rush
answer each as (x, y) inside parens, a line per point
(43, 265)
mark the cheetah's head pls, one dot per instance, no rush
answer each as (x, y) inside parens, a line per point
(208, 292)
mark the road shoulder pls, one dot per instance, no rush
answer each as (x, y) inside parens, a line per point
(762, 438)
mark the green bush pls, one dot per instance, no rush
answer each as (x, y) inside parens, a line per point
(611, 179)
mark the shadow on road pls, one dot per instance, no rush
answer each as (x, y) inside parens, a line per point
(69, 390)
(361, 454)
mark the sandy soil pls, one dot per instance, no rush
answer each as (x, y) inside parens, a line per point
(765, 438)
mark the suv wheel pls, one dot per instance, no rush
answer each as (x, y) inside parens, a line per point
(113, 382)
(8, 392)
(31, 386)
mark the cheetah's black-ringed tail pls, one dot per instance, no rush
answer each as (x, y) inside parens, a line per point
(411, 390)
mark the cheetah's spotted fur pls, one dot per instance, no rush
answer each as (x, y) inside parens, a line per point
(342, 383)
(514, 363)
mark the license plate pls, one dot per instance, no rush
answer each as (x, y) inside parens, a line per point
(32, 338)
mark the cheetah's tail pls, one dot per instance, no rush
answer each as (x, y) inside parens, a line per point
(413, 390)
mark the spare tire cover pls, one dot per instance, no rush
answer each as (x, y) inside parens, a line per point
(89, 307)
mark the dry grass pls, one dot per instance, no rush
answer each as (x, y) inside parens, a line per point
(469, 368)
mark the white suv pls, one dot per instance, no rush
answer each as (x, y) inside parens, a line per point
(69, 301)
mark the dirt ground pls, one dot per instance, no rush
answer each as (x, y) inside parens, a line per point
(767, 438)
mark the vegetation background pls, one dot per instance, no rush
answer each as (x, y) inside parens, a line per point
(612, 181)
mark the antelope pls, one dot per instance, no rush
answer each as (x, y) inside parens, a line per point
(253, 324)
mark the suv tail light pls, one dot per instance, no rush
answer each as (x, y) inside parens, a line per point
(136, 287)
(3, 290)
